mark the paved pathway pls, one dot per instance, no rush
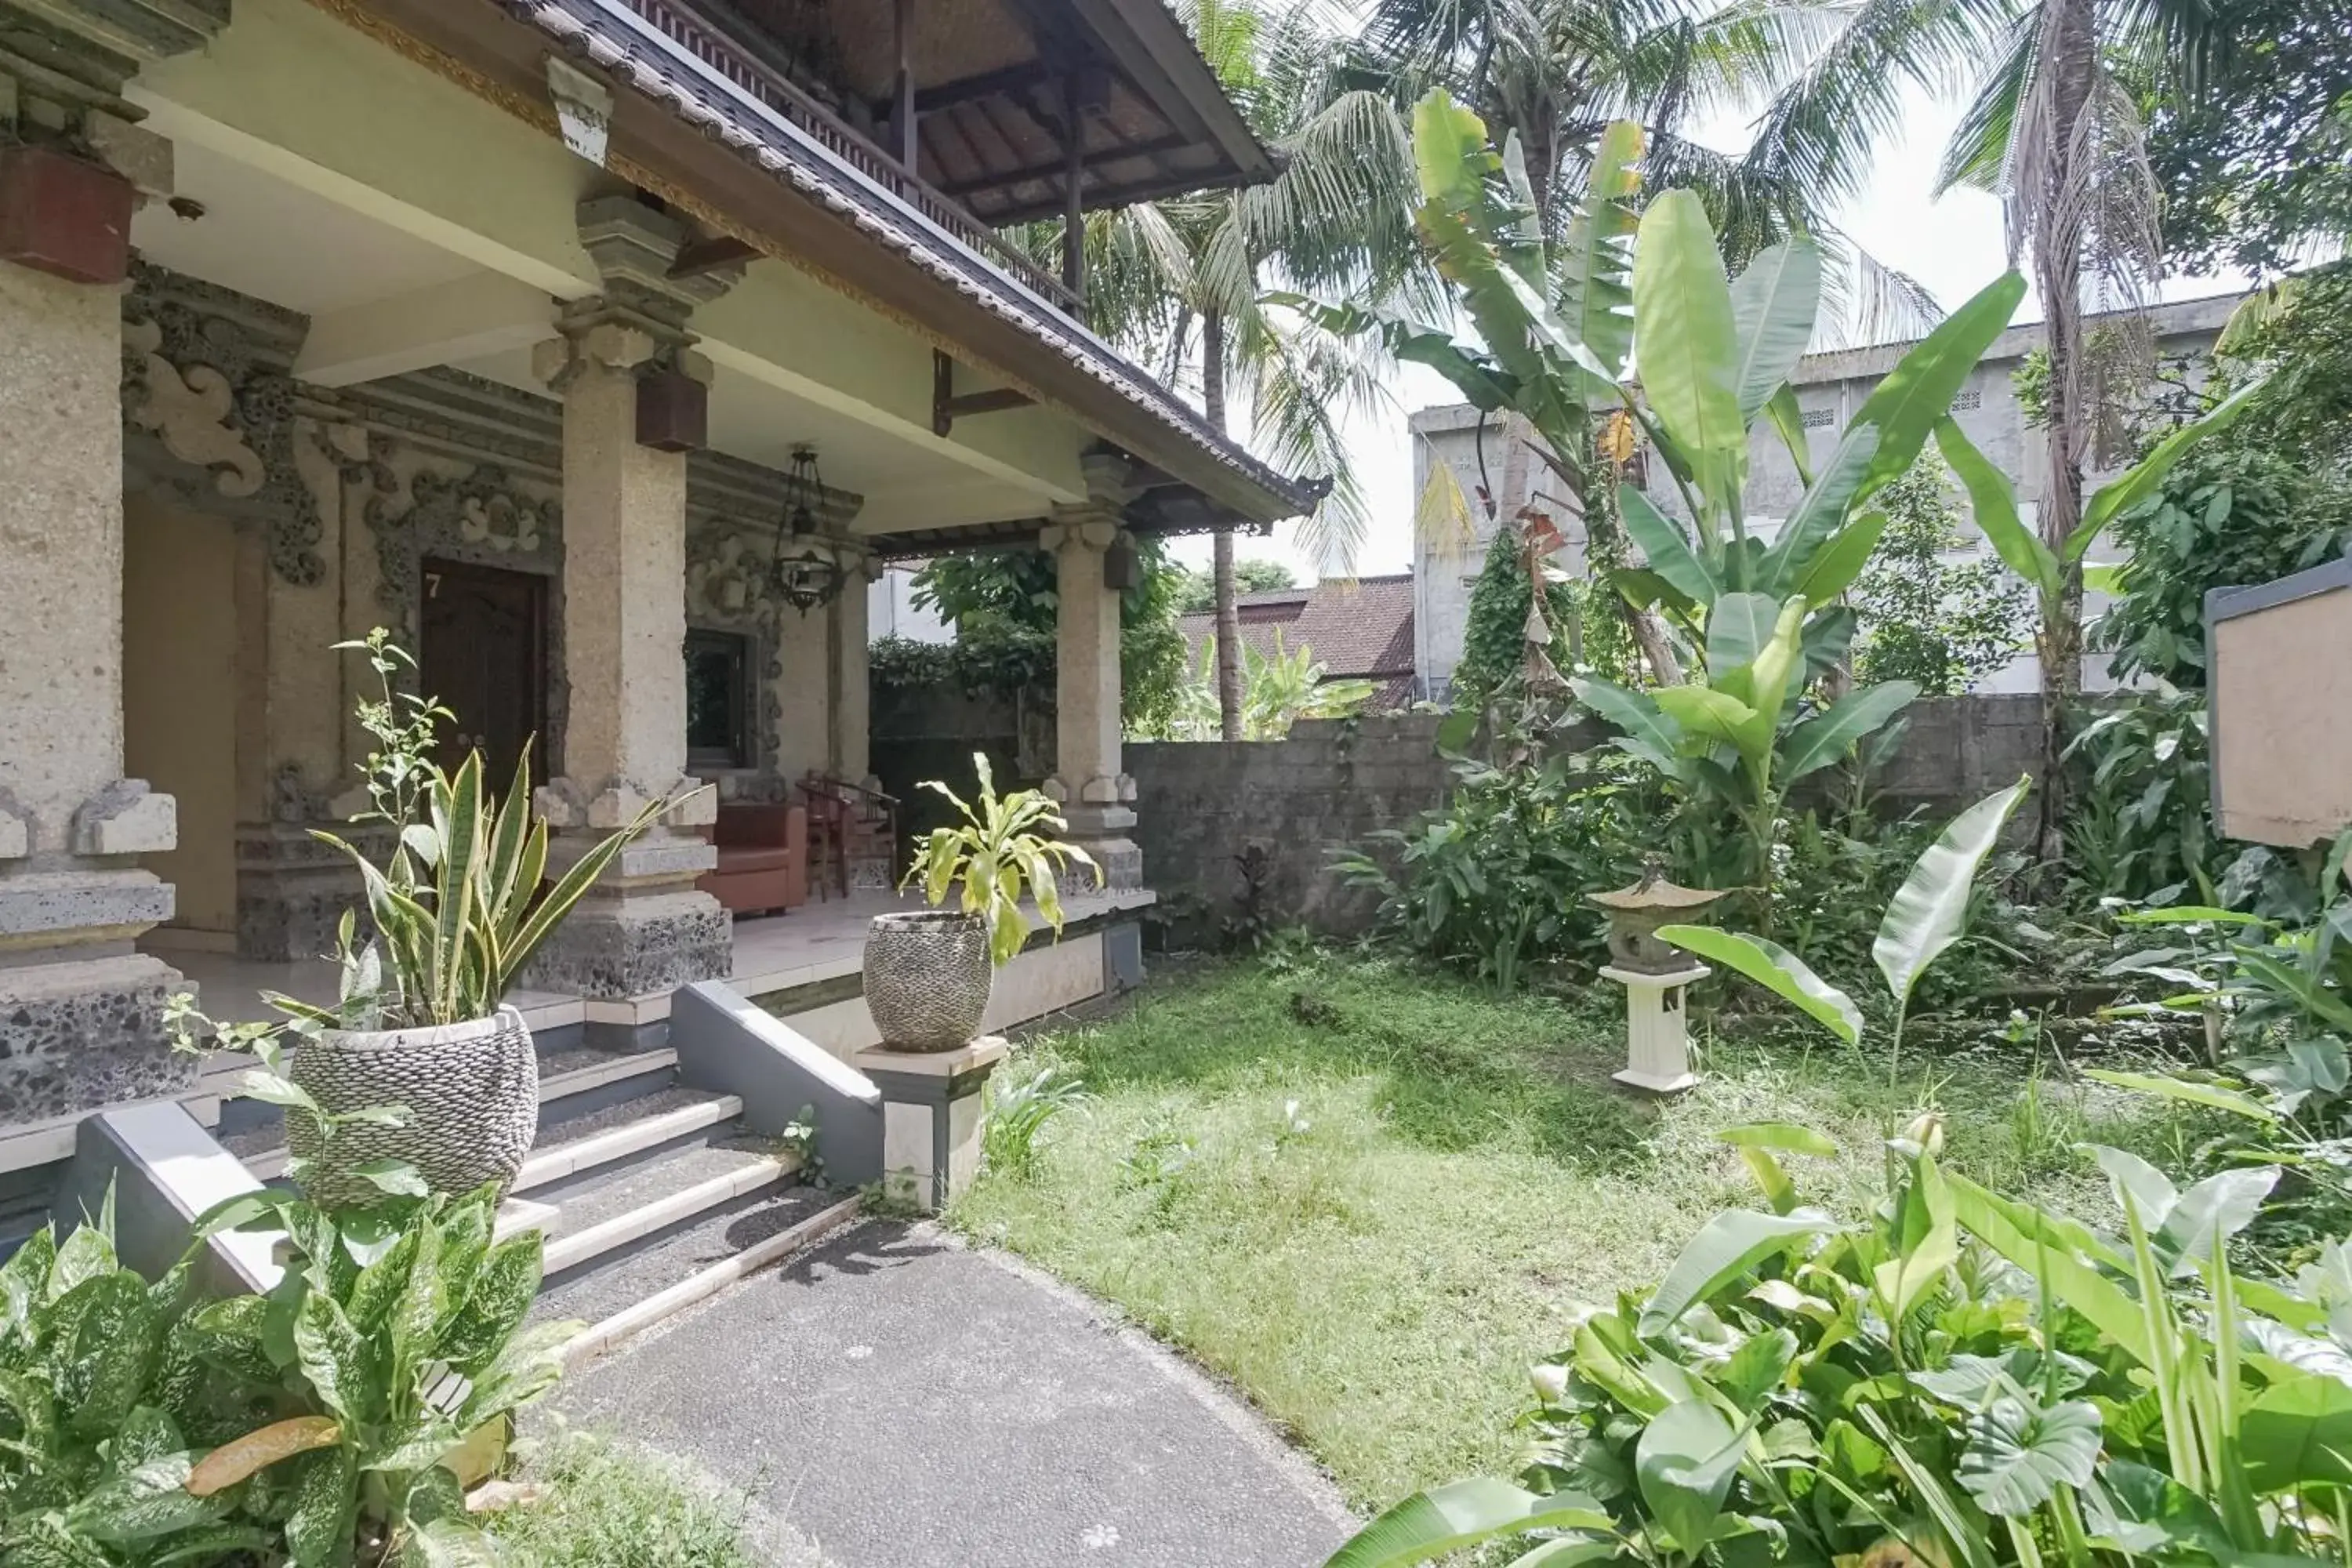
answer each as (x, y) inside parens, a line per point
(895, 1399)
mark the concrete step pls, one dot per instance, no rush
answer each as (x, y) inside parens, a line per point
(572, 1085)
(650, 1200)
(573, 1151)
(624, 1297)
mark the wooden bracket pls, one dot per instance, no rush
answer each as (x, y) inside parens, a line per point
(710, 255)
(947, 408)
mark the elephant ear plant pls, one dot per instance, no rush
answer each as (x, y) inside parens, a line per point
(333, 1423)
(1958, 1378)
(1001, 851)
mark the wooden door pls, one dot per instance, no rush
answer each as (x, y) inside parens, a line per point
(484, 656)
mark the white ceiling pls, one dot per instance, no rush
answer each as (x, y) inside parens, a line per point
(245, 240)
(273, 240)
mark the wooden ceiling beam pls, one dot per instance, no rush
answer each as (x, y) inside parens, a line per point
(1058, 168)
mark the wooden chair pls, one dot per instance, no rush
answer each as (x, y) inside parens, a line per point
(853, 835)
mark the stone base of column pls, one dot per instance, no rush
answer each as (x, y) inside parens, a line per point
(292, 890)
(86, 1032)
(643, 928)
(1102, 832)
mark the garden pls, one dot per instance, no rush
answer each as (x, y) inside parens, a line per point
(2004, 1217)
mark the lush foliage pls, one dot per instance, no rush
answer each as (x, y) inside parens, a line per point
(1495, 630)
(319, 1424)
(1941, 624)
(1005, 603)
(1021, 1104)
(1494, 881)
(2300, 332)
(2236, 513)
(1000, 853)
(2258, 165)
(2139, 826)
(1928, 915)
(1278, 688)
(987, 657)
(1963, 1377)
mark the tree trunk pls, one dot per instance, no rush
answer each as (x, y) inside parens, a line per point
(1229, 619)
(2058, 274)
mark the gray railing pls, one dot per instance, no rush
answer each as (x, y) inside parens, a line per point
(764, 83)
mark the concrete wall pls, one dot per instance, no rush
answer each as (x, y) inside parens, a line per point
(179, 697)
(1333, 783)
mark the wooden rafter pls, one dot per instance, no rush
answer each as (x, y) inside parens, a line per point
(946, 407)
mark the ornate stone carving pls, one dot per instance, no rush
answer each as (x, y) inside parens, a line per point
(190, 410)
(206, 387)
(425, 505)
(484, 509)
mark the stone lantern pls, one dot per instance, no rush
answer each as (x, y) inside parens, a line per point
(1654, 974)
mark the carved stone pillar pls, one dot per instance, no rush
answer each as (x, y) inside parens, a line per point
(1096, 794)
(81, 1011)
(646, 929)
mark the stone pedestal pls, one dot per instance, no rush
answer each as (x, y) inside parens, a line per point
(644, 928)
(1657, 1039)
(932, 1117)
(1096, 796)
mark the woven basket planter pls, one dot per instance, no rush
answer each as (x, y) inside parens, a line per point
(926, 979)
(472, 1092)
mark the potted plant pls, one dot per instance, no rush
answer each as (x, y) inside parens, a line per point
(420, 1069)
(927, 972)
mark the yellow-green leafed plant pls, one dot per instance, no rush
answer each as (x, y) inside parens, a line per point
(1002, 851)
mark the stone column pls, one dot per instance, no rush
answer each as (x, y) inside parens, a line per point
(852, 718)
(81, 1011)
(1096, 795)
(644, 930)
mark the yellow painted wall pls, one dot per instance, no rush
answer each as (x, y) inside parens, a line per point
(179, 695)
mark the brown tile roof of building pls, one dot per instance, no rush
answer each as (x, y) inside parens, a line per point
(1359, 631)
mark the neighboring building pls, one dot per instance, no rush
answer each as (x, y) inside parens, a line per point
(506, 324)
(1830, 388)
(891, 610)
(1360, 630)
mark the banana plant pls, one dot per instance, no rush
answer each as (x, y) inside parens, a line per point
(1928, 915)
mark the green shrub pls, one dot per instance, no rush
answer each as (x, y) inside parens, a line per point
(601, 1504)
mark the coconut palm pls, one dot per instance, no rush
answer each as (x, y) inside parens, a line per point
(2051, 129)
(1183, 281)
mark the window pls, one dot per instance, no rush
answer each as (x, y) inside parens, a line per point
(1969, 400)
(1818, 418)
(717, 699)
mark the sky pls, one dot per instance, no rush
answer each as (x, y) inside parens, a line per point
(1954, 245)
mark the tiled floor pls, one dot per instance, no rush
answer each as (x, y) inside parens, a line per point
(816, 942)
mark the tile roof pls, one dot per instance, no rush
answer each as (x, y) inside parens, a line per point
(609, 36)
(1358, 630)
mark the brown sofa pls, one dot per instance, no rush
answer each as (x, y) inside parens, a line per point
(762, 858)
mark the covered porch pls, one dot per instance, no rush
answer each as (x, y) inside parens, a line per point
(805, 967)
(547, 338)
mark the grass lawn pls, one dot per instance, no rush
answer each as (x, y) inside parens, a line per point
(1372, 1198)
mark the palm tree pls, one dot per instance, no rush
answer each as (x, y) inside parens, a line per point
(1185, 282)
(2051, 129)
(1554, 75)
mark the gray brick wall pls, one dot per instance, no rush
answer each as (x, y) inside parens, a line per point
(1335, 783)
